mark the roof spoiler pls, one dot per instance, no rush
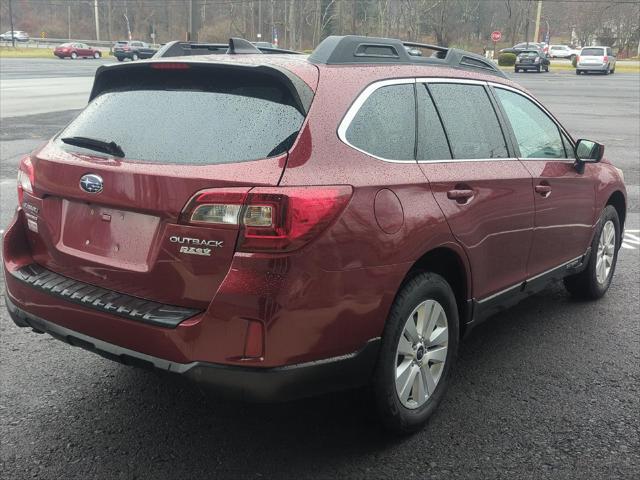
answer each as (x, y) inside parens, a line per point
(354, 49)
(235, 46)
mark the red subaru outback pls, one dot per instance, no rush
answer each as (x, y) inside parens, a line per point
(279, 226)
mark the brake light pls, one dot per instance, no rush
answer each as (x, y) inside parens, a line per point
(170, 66)
(270, 219)
(25, 178)
(577, 58)
(605, 59)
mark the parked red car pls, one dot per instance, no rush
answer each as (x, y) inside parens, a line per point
(76, 50)
(295, 225)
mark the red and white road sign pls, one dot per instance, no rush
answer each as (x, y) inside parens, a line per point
(496, 36)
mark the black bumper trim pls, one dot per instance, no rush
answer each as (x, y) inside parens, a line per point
(101, 299)
(273, 384)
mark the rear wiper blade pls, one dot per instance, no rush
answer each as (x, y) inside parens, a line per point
(112, 148)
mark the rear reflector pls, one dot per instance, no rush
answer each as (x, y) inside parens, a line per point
(170, 66)
(25, 178)
(254, 341)
(269, 219)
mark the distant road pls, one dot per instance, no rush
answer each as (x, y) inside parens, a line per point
(20, 68)
(33, 86)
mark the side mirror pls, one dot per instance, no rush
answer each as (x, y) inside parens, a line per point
(589, 151)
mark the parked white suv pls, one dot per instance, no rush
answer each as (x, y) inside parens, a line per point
(563, 51)
(596, 59)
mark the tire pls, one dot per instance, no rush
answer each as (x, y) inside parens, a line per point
(587, 284)
(538, 69)
(516, 70)
(74, 55)
(96, 55)
(428, 293)
(613, 71)
(120, 59)
(134, 57)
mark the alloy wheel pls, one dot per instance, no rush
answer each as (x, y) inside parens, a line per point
(421, 354)
(605, 253)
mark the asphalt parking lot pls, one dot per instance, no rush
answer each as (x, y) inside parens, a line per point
(549, 389)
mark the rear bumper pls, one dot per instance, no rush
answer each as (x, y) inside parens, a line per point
(527, 66)
(591, 67)
(247, 383)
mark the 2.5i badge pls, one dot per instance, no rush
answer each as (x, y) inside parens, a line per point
(196, 246)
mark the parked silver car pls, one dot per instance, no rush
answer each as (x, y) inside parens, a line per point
(596, 59)
(19, 36)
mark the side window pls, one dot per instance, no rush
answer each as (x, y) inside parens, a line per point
(432, 141)
(537, 135)
(469, 120)
(385, 125)
(568, 148)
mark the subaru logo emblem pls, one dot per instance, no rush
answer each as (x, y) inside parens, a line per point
(91, 183)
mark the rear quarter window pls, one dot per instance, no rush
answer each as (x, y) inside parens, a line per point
(385, 124)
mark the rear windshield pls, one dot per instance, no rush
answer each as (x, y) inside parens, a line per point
(179, 117)
(595, 52)
(529, 54)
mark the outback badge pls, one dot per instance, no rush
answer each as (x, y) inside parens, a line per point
(196, 246)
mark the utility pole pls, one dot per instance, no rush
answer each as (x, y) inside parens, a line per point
(538, 14)
(190, 22)
(95, 12)
(69, 20)
(259, 20)
(13, 39)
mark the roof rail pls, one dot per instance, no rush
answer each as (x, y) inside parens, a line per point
(235, 46)
(353, 49)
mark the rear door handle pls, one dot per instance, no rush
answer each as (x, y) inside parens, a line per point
(460, 196)
(543, 190)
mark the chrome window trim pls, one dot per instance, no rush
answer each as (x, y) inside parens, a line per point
(466, 160)
(366, 93)
(355, 108)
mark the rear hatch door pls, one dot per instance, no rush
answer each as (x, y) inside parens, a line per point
(115, 221)
(593, 56)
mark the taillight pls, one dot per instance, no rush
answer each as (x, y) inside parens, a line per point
(270, 219)
(577, 58)
(25, 178)
(605, 59)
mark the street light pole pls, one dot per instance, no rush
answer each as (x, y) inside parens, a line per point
(13, 39)
(95, 11)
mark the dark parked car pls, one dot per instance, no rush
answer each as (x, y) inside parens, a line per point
(133, 50)
(76, 50)
(246, 245)
(521, 47)
(532, 60)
